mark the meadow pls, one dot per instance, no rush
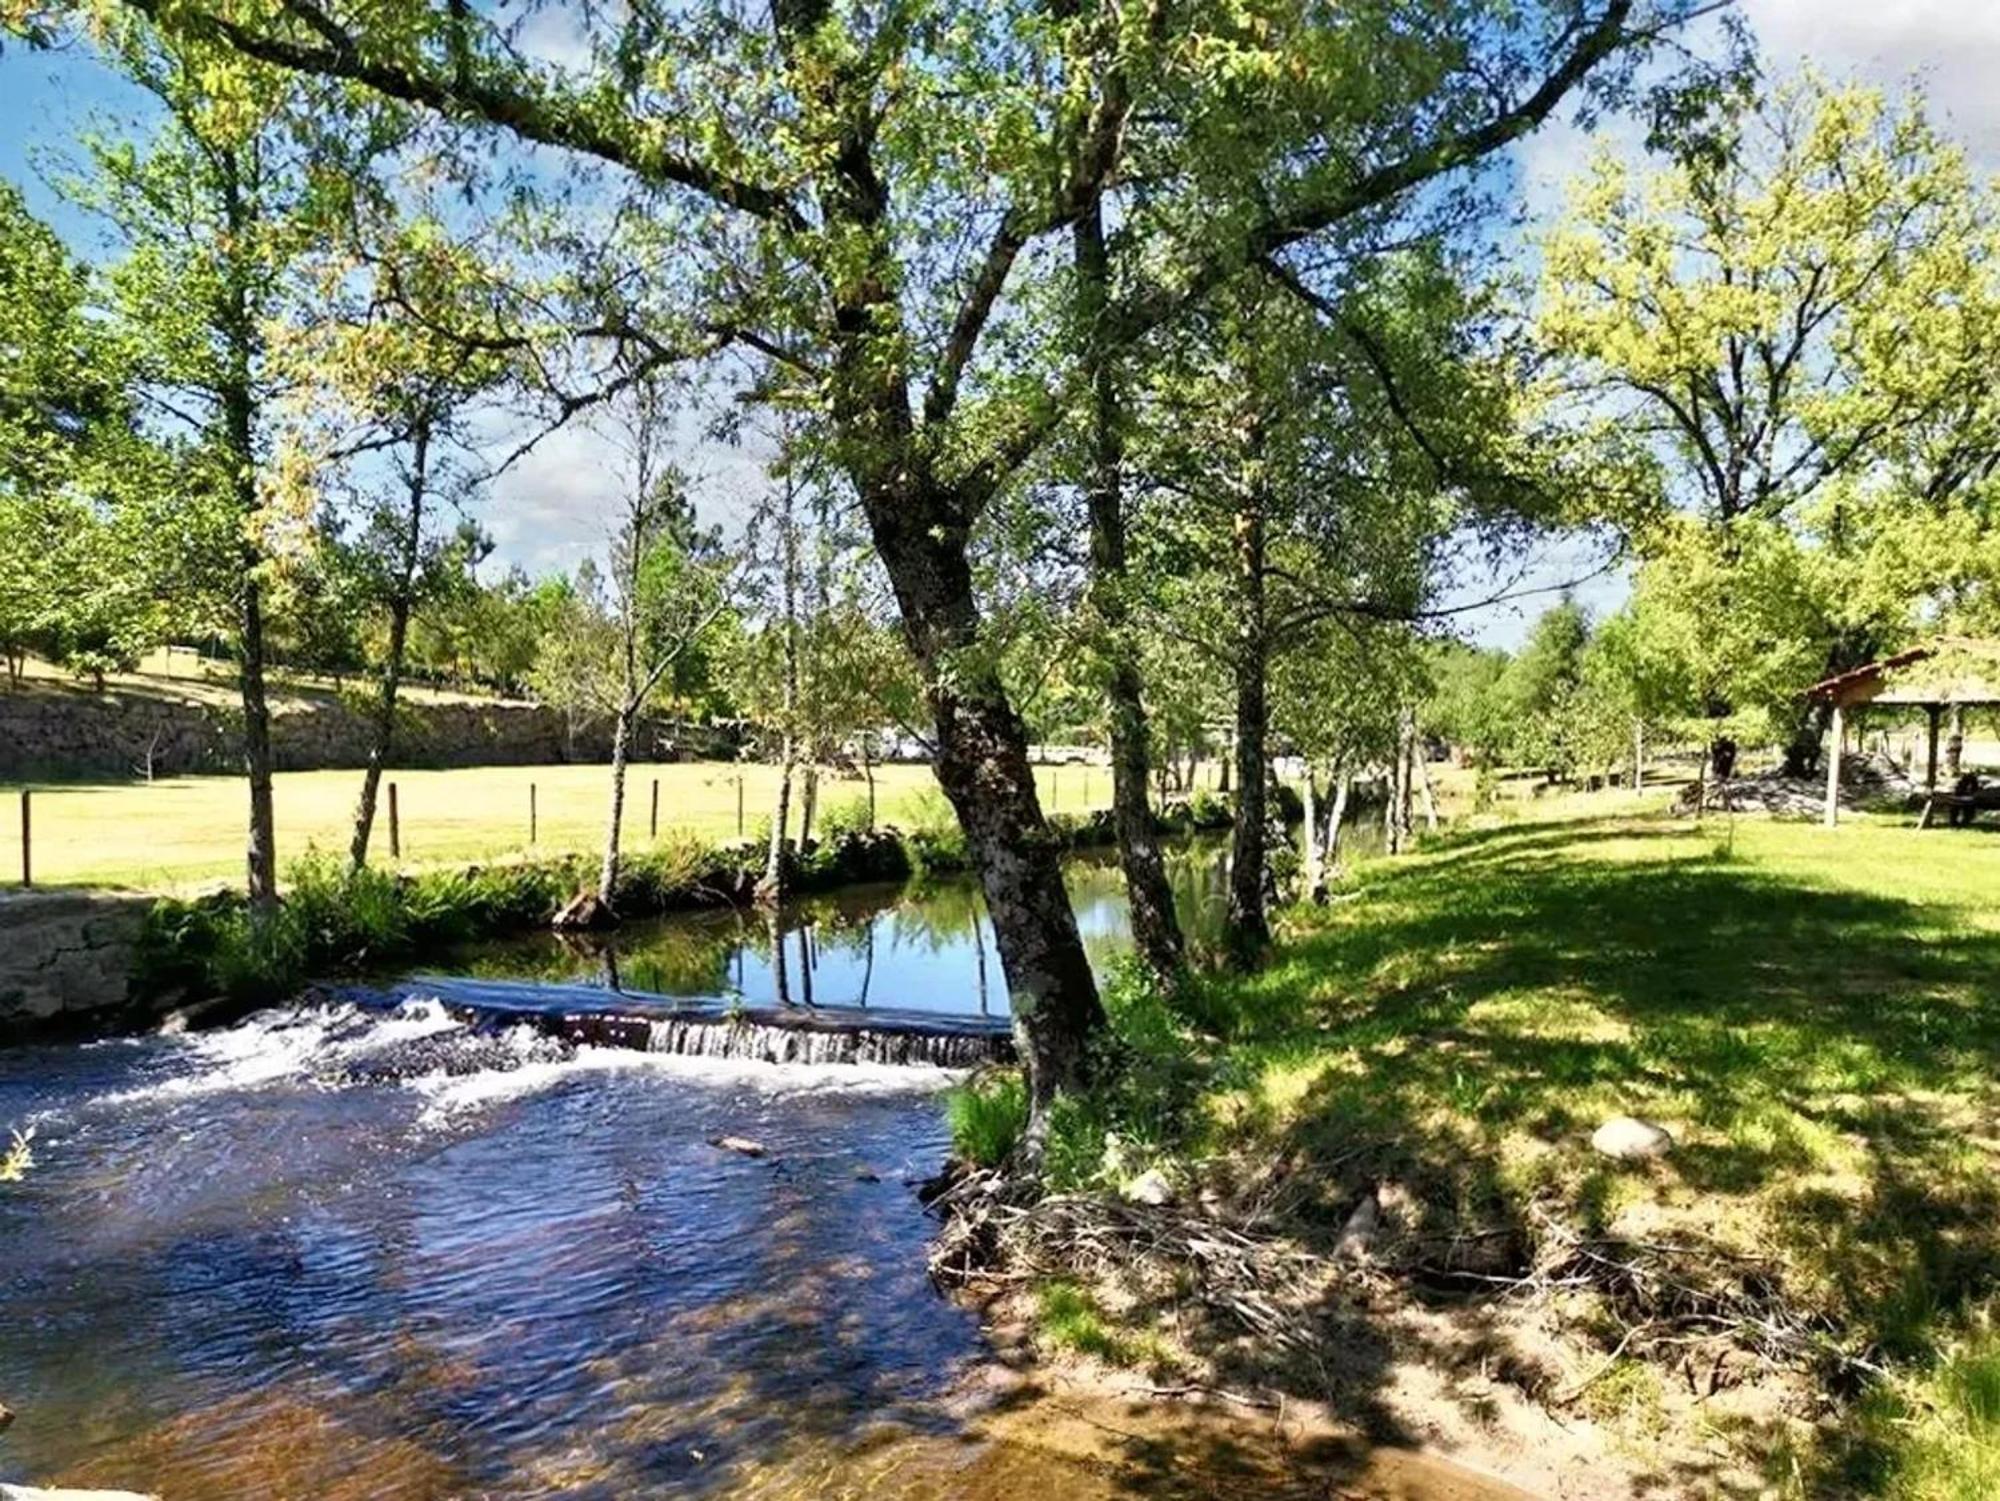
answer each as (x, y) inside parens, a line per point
(1813, 1015)
(182, 831)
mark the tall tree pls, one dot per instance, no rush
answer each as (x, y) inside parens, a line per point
(1798, 308)
(403, 395)
(215, 214)
(669, 586)
(837, 247)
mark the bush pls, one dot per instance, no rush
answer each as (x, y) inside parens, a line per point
(987, 1116)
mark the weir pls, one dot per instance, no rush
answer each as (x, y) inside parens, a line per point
(705, 1027)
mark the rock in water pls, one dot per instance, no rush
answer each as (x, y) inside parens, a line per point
(1630, 1139)
(741, 1144)
(1150, 1187)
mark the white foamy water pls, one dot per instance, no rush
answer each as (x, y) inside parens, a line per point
(287, 1044)
(448, 1096)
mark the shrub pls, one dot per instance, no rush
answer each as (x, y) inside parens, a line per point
(987, 1116)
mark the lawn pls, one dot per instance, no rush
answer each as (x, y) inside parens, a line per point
(1813, 1015)
(183, 830)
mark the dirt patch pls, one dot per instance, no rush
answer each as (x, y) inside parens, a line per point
(1561, 1364)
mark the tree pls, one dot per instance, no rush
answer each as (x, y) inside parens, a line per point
(829, 246)
(669, 585)
(68, 448)
(1798, 309)
(405, 392)
(216, 214)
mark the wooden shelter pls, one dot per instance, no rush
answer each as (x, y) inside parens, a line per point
(1952, 672)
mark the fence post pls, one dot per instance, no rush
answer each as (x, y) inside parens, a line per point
(739, 805)
(532, 811)
(27, 865)
(653, 824)
(395, 826)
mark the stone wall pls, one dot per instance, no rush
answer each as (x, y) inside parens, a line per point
(61, 733)
(66, 962)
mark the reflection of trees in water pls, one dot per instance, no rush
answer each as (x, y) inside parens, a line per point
(704, 954)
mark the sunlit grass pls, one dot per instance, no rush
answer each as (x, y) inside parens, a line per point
(183, 830)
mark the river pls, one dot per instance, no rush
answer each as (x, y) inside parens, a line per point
(249, 1263)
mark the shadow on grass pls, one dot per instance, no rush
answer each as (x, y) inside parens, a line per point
(1460, 1028)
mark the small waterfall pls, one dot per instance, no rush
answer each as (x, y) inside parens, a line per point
(765, 1037)
(765, 1043)
(582, 1016)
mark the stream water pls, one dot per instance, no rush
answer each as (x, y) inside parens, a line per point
(252, 1263)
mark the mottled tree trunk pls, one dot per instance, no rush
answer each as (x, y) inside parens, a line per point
(1314, 871)
(982, 765)
(382, 738)
(1156, 932)
(621, 740)
(1336, 818)
(1249, 923)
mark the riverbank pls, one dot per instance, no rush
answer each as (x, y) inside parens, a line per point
(83, 964)
(1365, 1177)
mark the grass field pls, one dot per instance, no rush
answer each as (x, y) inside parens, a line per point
(185, 830)
(1814, 1015)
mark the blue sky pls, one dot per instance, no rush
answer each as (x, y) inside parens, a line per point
(551, 510)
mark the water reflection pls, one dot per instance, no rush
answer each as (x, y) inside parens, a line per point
(926, 948)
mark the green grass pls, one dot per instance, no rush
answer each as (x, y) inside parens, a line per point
(184, 830)
(987, 1117)
(1815, 1016)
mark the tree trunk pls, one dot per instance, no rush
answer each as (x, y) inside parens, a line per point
(982, 765)
(1315, 872)
(1638, 755)
(1336, 818)
(261, 857)
(1156, 932)
(1423, 764)
(384, 729)
(239, 404)
(621, 737)
(1249, 924)
(772, 887)
(808, 802)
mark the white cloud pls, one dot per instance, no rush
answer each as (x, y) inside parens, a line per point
(1952, 46)
(557, 504)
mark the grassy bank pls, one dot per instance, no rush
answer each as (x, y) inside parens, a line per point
(1800, 1288)
(332, 920)
(182, 830)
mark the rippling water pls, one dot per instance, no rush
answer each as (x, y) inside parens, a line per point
(273, 1261)
(226, 1277)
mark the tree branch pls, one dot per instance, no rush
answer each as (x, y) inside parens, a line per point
(484, 93)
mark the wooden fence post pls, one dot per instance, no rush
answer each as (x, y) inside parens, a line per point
(653, 827)
(27, 864)
(739, 805)
(532, 812)
(395, 826)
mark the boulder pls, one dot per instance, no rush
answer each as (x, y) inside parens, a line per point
(741, 1144)
(1630, 1139)
(1150, 1187)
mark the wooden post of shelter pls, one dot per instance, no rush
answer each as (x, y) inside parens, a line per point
(1950, 673)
